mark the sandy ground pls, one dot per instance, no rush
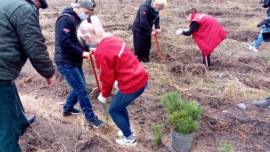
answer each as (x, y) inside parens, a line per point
(236, 76)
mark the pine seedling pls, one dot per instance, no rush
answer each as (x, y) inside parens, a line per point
(158, 130)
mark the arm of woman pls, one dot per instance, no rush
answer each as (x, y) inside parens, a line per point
(194, 27)
(105, 64)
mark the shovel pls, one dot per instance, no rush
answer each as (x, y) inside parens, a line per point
(97, 91)
(158, 49)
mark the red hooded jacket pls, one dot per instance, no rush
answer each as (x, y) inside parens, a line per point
(115, 61)
(210, 33)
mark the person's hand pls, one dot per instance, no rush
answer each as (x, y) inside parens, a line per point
(158, 31)
(51, 81)
(116, 85)
(101, 98)
(153, 33)
(92, 50)
(179, 32)
(85, 55)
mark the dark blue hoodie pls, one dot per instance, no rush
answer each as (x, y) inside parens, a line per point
(68, 49)
(145, 18)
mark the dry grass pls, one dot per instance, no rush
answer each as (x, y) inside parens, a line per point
(193, 79)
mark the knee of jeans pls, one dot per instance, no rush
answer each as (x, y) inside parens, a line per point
(80, 91)
(112, 111)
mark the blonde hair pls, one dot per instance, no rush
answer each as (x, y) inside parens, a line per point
(93, 29)
(161, 3)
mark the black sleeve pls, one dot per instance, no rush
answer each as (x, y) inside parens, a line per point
(64, 28)
(157, 25)
(33, 41)
(194, 27)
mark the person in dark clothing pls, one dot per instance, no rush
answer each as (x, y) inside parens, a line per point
(206, 32)
(69, 58)
(20, 39)
(147, 15)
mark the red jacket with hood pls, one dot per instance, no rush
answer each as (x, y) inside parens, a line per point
(210, 33)
(115, 61)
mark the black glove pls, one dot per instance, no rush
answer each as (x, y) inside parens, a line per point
(262, 23)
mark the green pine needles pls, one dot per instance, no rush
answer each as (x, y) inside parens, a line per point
(158, 130)
(182, 115)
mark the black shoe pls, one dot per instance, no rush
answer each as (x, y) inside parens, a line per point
(96, 123)
(30, 120)
(72, 111)
(140, 59)
(146, 60)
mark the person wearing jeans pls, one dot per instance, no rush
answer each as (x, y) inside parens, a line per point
(118, 110)
(258, 42)
(116, 63)
(69, 59)
(75, 78)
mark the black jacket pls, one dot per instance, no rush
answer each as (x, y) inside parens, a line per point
(20, 39)
(145, 18)
(68, 49)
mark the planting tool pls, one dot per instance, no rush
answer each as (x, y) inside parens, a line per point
(98, 86)
(158, 49)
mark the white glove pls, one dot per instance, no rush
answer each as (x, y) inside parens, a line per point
(116, 85)
(179, 32)
(85, 55)
(101, 98)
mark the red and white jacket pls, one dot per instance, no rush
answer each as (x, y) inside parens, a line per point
(210, 33)
(115, 61)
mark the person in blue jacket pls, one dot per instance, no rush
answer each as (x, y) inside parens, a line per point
(69, 58)
(147, 16)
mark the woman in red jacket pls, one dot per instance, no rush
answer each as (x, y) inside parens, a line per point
(116, 62)
(206, 31)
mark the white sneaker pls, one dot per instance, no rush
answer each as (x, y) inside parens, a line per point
(120, 133)
(127, 142)
(250, 47)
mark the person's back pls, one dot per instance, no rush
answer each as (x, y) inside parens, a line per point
(17, 32)
(112, 51)
(68, 49)
(210, 33)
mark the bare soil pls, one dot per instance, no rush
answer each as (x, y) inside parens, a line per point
(236, 76)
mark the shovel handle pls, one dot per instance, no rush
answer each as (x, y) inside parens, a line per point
(158, 49)
(94, 69)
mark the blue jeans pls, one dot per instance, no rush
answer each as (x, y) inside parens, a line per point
(75, 77)
(118, 110)
(259, 40)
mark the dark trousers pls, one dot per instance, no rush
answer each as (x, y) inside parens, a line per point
(206, 60)
(12, 118)
(142, 45)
